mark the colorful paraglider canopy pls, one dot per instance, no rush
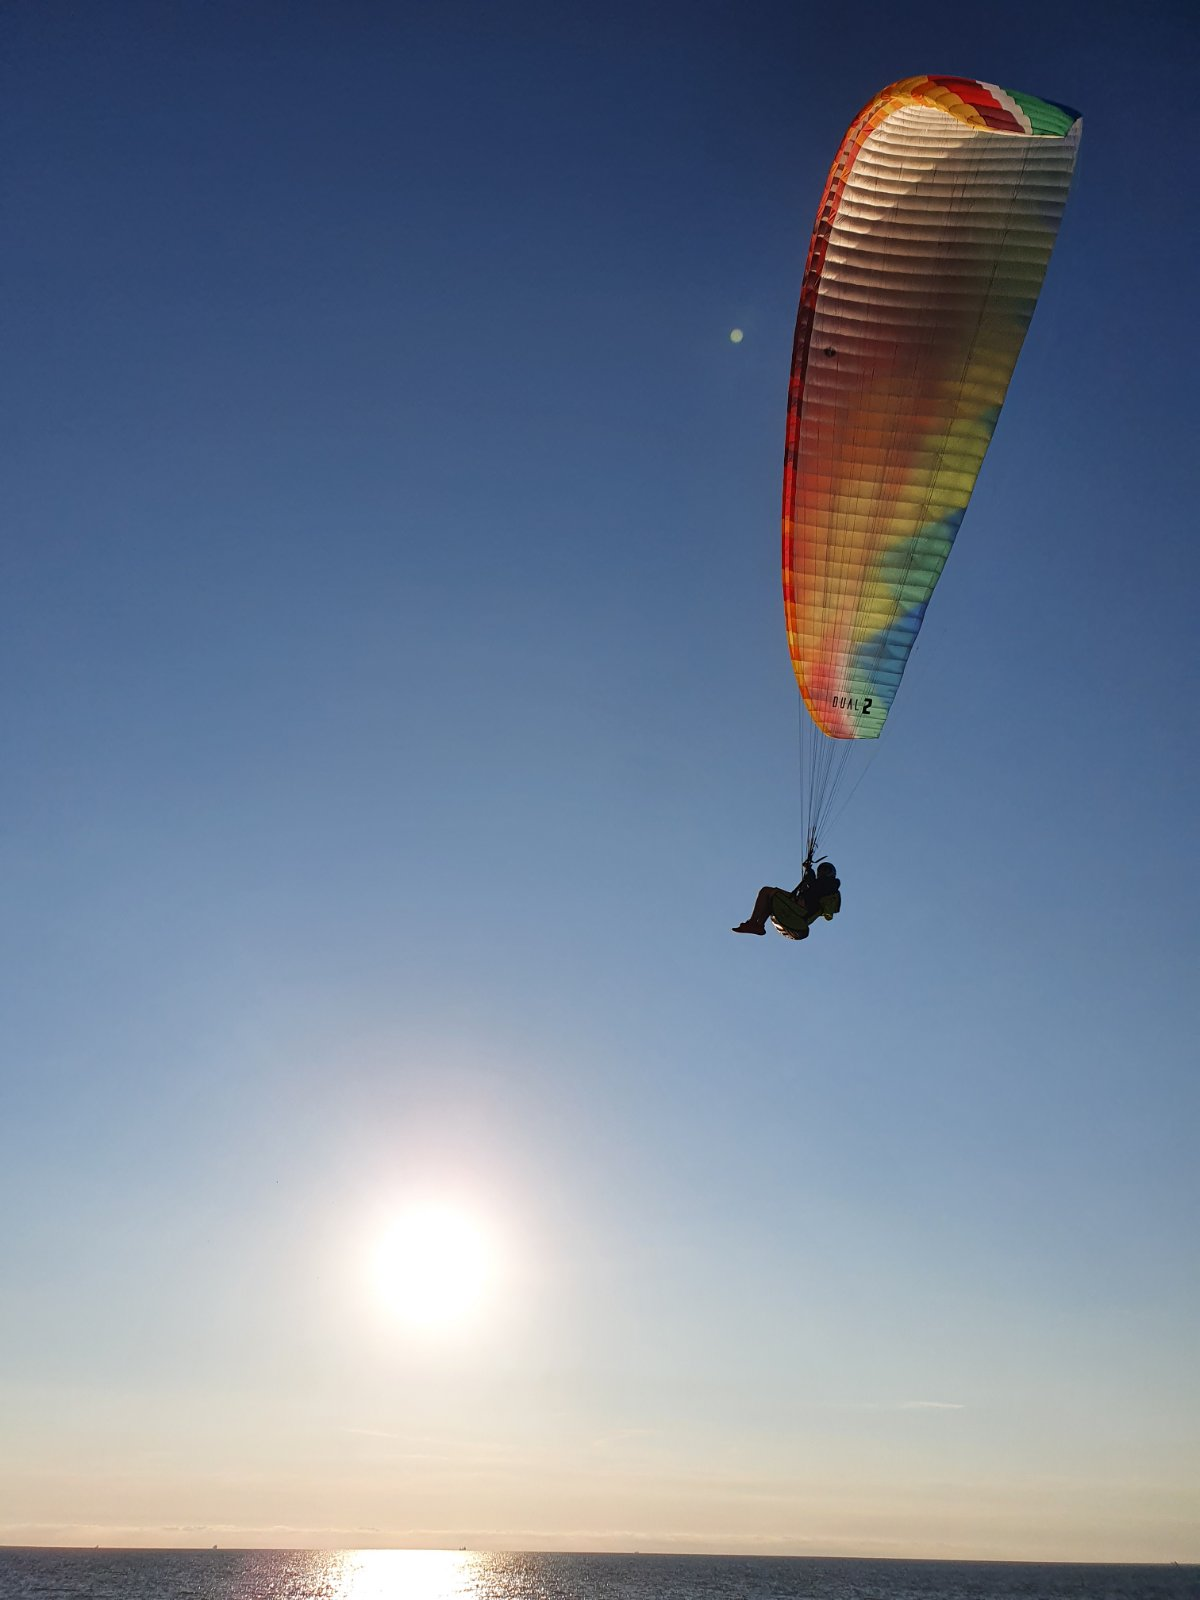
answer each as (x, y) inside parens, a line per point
(930, 245)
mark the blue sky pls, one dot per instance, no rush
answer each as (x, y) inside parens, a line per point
(397, 715)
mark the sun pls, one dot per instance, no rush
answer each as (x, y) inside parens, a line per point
(434, 1266)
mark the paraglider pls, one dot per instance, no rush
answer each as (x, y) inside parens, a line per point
(818, 894)
(927, 257)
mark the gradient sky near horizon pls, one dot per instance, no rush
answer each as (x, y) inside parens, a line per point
(396, 716)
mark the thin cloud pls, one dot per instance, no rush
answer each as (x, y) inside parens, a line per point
(622, 1436)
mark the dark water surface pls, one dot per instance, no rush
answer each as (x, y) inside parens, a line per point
(471, 1575)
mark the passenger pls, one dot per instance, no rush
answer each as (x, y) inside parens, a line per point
(787, 911)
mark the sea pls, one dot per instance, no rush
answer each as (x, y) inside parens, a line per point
(39, 1574)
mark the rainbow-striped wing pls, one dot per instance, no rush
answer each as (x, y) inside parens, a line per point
(938, 219)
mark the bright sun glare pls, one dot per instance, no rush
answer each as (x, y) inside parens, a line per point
(434, 1266)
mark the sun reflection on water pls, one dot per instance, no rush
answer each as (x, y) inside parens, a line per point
(400, 1575)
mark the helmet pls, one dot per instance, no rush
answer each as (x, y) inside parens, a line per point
(827, 870)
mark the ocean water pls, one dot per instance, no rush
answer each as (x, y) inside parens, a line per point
(472, 1575)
